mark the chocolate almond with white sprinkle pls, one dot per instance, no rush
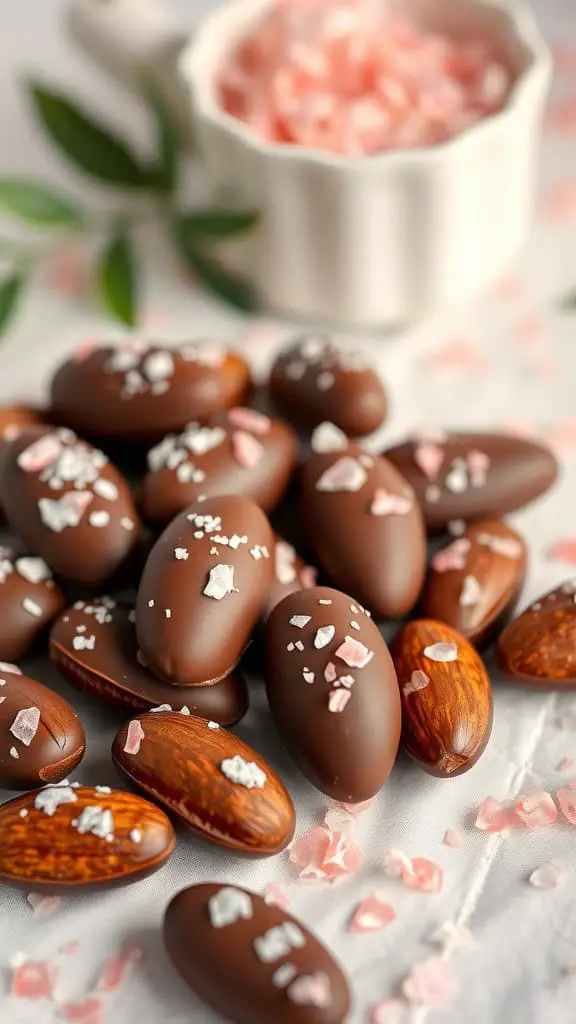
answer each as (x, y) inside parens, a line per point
(323, 377)
(203, 590)
(208, 779)
(93, 645)
(333, 692)
(69, 504)
(41, 737)
(139, 391)
(64, 839)
(539, 647)
(363, 522)
(473, 475)
(251, 962)
(474, 582)
(446, 697)
(240, 451)
(29, 601)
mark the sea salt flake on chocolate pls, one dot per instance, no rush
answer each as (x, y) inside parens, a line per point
(441, 652)
(471, 592)
(429, 458)
(40, 454)
(308, 675)
(283, 975)
(158, 366)
(57, 514)
(105, 489)
(300, 621)
(168, 613)
(299, 645)
(456, 527)
(249, 419)
(295, 370)
(25, 725)
(549, 875)
(228, 906)
(279, 941)
(134, 736)
(243, 773)
(354, 653)
(344, 475)
(457, 478)
(418, 681)
(84, 643)
(323, 636)
(371, 915)
(34, 570)
(337, 700)
(433, 494)
(181, 554)
(386, 504)
(32, 607)
(14, 753)
(220, 582)
(247, 451)
(49, 799)
(327, 437)
(5, 666)
(478, 465)
(311, 990)
(259, 551)
(99, 518)
(96, 821)
(330, 672)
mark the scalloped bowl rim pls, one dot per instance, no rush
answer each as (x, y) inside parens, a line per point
(206, 106)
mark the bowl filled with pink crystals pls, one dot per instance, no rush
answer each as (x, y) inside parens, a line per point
(391, 147)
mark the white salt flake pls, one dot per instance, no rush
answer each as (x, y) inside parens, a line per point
(324, 600)
(84, 643)
(457, 478)
(311, 990)
(243, 773)
(181, 554)
(283, 975)
(308, 675)
(213, 725)
(126, 523)
(549, 875)
(323, 636)
(441, 652)
(151, 602)
(278, 942)
(418, 681)
(471, 592)
(158, 366)
(99, 519)
(136, 836)
(25, 725)
(32, 607)
(61, 513)
(228, 906)
(346, 474)
(168, 613)
(14, 753)
(220, 582)
(96, 821)
(48, 800)
(327, 437)
(34, 570)
(105, 489)
(325, 381)
(300, 621)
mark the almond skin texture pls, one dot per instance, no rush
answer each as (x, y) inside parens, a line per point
(109, 668)
(446, 705)
(222, 966)
(46, 749)
(188, 637)
(380, 558)
(474, 475)
(178, 764)
(45, 852)
(139, 392)
(539, 647)
(474, 583)
(349, 753)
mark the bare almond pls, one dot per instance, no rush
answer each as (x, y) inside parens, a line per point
(539, 647)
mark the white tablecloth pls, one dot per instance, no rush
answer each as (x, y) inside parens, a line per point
(508, 360)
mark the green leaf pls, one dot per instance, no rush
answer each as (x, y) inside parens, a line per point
(38, 204)
(163, 175)
(10, 291)
(217, 223)
(229, 287)
(567, 303)
(118, 279)
(87, 143)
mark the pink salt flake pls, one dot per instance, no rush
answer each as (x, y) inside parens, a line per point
(311, 990)
(249, 419)
(118, 968)
(418, 681)
(396, 864)
(424, 875)
(89, 1011)
(338, 699)
(34, 979)
(493, 816)
(563, 550)
(330, 672)
(371, 915)
(429, 458)
(248, 452)
(40, 454)
(346, 474)
(85, 349)
(43, 906)
(386, 504)
(566, 764)
(307, 853)
(356, 809)
(275, 896)
(390, 1011)
(134, 736)
(431, 982)
(307, 577)
(343, 855)
(452, 557)
(549, 875)
(567, 801)
(337, 819)
(452, 839)
(478, 465)
(536, 810)
(354, 653)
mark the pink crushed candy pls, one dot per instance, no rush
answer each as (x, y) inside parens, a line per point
(386, 504)
(275, 896)
(338, 819)
(429, 458)
(493, 816)
(356, 809)
(134, 737)
(536, 810)
(567, 801)
(325, 854)
(34, 979)
(354, 653)
(371, 915)
(88, 1011)
(338, 699)
(430, 982)
(418, 681)
(452, 839)
(390, 1011)
(548, 876)
(425, 876)
(249, 419)
(351, 79)
(117, 968)
(247, 450)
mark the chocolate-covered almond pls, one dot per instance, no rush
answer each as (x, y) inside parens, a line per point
(41, 736)
(29, 600)
(290, 574)
(208, 779)
(69, 504)
(239, 452)
(93, 645)
(473, 476)
(138, 391)
(64, 839)
(333, 692)
(539, 647)
(446, 697)
(203, 589)
(251, 962)
(364, 524)
(320, 377)
(474, 583)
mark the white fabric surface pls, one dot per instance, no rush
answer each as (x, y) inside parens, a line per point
(526, 937)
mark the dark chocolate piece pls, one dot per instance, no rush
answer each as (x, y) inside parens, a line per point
(29, 601)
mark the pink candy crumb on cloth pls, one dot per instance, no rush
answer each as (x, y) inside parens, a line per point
(351, 79)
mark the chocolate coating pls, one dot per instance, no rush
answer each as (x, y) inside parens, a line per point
(179, 765)
(539, 647)
(87, 544)
(474, 584)
(111, 669)
(140, 392)
(52, 744)
(221, 966)
(318, 377)
(380, 558)
(186, 636)
(348, 754)
(518, 471)
(229, 456)
(29, 600)
(290, 574)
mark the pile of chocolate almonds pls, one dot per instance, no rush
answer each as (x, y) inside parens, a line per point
(154, 589)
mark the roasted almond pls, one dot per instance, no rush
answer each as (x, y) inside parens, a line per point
(208, 779)
(474, 583)
(446, 697)
(62, 839)
(539, 647)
